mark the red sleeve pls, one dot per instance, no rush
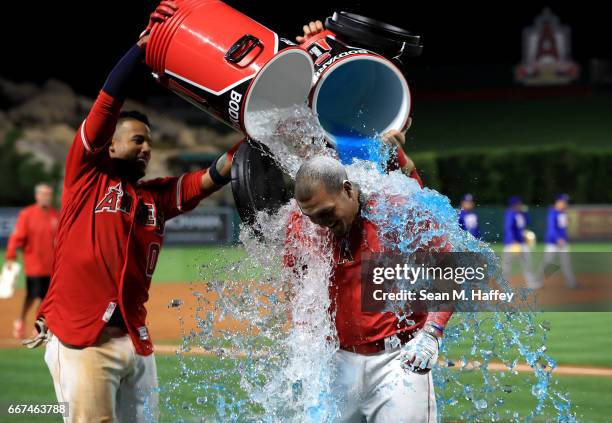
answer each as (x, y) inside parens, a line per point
(18, 238)
(415, 175)
(292, 241)
(92, 137)
(402, 160)
(177, 195)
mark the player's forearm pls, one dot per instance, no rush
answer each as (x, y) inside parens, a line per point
(438, 320)
(118, 78)
(11, 254)
(415, 175)
(220, 171)
(408, 167)
(13, 244)
(100, 124)
(405, 163)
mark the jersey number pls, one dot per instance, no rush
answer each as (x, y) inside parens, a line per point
(152, 256)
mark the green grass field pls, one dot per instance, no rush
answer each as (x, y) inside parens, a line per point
(574, 339)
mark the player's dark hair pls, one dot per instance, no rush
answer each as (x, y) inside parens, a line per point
(319, 169)
(135, 115)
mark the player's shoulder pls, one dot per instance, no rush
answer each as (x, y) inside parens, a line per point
(27, 210)
(157, 184)
(294, 221)
(377, 200)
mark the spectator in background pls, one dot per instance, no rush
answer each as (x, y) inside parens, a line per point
(515, 246)
(557, 240)
(468, 219)
(35, 234)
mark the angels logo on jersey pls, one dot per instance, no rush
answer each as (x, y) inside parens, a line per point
(115, 199)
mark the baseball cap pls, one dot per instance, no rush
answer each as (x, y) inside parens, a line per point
(468, 197)
(514, 200)
(562, 197)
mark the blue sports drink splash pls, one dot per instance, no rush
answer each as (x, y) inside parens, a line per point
(351, 148)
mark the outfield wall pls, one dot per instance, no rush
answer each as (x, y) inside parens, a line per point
(220, 225)
(202, 226)
(586, 222)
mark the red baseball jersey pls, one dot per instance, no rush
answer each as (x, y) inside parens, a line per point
(109, 237)
(34, 233)
(353, 326)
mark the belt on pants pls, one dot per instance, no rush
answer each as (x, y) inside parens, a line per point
(389, 343)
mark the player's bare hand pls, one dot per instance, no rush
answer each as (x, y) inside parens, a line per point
(313, 28)
(9, 264)
(396, 138)
(166, 9)
(143, 40)
(421, 353)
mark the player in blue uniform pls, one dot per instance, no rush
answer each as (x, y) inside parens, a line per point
(557, 240)
(468, 219)
(515, 246)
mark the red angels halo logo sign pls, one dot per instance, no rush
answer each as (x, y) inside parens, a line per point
(546, 53)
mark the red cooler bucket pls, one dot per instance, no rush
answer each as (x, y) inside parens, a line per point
(226, 63)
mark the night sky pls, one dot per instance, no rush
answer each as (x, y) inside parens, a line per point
(80, 43)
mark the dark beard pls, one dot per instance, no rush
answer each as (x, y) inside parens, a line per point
(127, 169)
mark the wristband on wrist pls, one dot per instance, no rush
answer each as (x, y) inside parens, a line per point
(437, 326)
(433, 330)
(216, 177)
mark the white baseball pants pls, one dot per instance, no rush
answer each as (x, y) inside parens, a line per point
(107, 382)
(524, 256)
(375, 389)
(551, 251)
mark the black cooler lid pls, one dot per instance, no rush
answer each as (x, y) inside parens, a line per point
(258, 183)
(385, 39)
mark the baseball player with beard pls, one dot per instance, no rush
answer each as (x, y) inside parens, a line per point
(111, 229)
